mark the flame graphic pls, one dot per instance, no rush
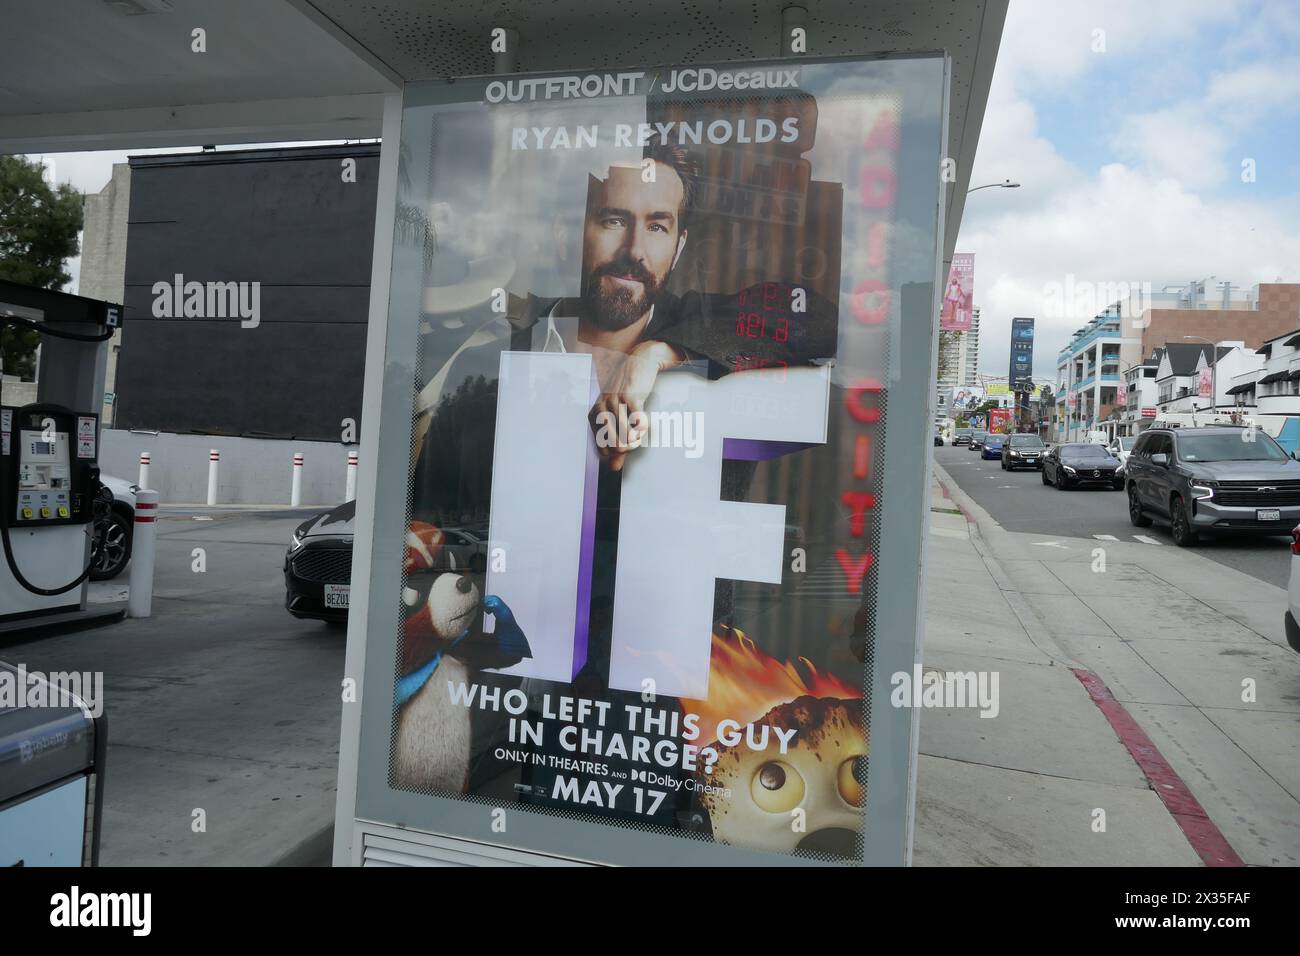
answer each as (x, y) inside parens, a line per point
(745, 683)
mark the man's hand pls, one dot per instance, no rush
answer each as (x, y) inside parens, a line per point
(629, 388)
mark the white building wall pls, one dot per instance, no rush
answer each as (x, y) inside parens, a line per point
(252, 471)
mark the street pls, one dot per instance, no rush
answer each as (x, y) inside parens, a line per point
(1188, 641)
(1019, 501)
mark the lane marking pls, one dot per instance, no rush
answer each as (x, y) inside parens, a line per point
(1105, 537)
(1205, 838)
(1146, 539)
(1051, 544)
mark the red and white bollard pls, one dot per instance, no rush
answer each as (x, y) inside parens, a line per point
(295, 496)
(351, 493)
(144, 470)
(214, 457)
(139, 601)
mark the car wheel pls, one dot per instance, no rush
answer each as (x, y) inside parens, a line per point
(1179, 524)
(1135, 515)
(112, 545)
(1042, 473)
(1060, 479)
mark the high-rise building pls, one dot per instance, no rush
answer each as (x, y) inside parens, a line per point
(960, 360)
(970, 351)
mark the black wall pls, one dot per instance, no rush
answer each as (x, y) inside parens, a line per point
(284, 218)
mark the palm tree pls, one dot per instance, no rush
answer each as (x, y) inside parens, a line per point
(412, 226)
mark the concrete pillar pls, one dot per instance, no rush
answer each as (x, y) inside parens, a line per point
(792, 19)
(507, 61)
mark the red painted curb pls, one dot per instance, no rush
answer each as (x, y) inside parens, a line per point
(966, 514)
(1205, 838)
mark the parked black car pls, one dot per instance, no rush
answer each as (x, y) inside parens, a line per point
(1023, 451)
(1216, 479)
(318, 566)
(1075, 464)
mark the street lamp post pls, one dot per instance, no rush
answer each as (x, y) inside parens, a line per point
(1005, 184)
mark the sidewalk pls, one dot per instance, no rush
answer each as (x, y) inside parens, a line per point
(1171, 634)
(1019, 789)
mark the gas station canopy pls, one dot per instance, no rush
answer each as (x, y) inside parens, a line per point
(124, 74)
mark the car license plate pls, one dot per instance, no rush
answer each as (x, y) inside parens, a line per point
(1271, 514)
(337, 596)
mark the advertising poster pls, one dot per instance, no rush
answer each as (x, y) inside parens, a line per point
(958, 294)
(1205, 382)
(1000, 421)
(656, 316)
(966, 397)
(1021, 368)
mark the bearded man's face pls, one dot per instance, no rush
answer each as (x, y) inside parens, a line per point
(631, 240)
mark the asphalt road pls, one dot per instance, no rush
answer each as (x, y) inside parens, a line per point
(1019, 501)
(220, 701)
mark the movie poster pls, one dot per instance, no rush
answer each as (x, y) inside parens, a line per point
(958, 294)
(642, 526)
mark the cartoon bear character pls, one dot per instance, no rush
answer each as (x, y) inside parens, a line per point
(443, 646)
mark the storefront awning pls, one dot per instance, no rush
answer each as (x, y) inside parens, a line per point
(1240, 389)
(1275, 377)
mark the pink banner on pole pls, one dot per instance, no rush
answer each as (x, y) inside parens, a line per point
(958, 294)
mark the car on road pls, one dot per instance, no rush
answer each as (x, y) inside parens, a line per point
(1291, 620)
(1221, 478)
(1023, 451)
(993, 447)
(1122, 447)
(962, 436)
(1075, 464)
(938, 437)
(977, 440)
(114, 529)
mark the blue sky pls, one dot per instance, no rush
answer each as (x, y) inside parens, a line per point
(1129, 146)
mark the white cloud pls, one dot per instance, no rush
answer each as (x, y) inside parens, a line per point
(1190, 140)
(1142, 219)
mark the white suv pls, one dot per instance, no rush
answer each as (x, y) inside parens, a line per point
(113, 534)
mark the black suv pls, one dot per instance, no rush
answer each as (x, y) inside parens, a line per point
(1222, 478)
(1023, 451)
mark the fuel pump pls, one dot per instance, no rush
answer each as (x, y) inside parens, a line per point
(49, 457)
(50, 480)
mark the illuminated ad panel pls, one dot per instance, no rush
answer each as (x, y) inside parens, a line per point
(653, 317)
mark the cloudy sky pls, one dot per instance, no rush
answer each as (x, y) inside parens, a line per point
(1131, 157)
(1127, 123)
